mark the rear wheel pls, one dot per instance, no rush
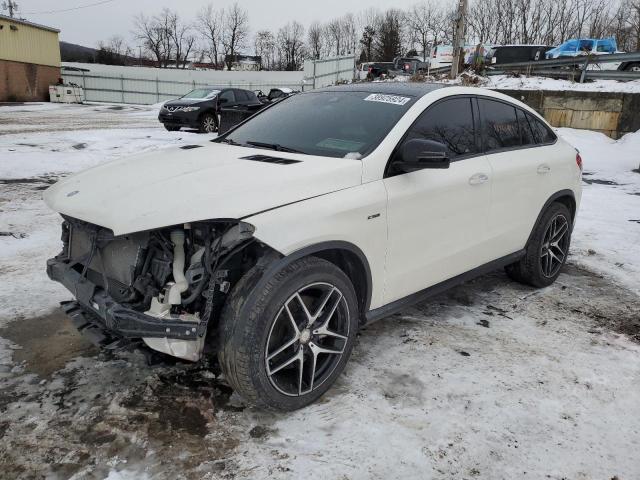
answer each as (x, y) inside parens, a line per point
(633, 67)
(296, 338)
(547, 250)
(208, 123)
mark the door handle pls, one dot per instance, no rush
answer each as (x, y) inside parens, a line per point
(544, 168)
(478, 179)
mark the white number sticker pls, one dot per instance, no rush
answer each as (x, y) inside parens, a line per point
(393, 99)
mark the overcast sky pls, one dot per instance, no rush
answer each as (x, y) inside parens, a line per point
(87, 26)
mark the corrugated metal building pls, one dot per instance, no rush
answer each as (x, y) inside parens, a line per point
(29, 60)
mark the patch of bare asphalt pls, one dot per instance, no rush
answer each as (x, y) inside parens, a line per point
(67, 410)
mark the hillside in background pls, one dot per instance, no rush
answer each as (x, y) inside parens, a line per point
(70, 52)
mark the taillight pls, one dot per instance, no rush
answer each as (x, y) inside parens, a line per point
(579, 161)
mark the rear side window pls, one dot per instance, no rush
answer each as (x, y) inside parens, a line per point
(241, 96)
(499, 126)
(526, 133)
(541, 132)
(449, 122)
(228, 95)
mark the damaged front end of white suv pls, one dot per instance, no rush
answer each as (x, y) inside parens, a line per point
(163, 286)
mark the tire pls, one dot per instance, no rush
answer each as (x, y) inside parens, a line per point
(208, 123)
(545, 257)
(171, 128)
(633, 67)
(255, 326)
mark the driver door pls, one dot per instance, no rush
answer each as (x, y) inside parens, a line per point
(437, 218)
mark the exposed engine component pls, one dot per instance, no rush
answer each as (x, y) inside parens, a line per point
(148, 272)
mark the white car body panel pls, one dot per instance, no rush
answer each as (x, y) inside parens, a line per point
(347, 215)
(437, 225)
(178, 186)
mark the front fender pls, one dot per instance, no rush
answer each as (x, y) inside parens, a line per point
(355, 216)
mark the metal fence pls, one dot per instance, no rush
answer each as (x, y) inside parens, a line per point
(140, 85)
(329, 71)
(100, 87)
(587, 67)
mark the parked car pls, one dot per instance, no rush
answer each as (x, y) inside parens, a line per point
(379, 69)
(273, 244)
(274, 94)
(408, 66)
(200, 108)
(516, 53)
(583, 46)
(363, 70)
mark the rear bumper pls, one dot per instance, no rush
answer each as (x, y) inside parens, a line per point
(94, 306)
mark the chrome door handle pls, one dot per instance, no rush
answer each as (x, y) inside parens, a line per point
(544, 168)
(478, 179)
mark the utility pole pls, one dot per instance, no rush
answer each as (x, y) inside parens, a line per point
(11, 6)
(459, 37)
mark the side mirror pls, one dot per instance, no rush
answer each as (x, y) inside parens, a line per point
(222, 101)
(418, 154)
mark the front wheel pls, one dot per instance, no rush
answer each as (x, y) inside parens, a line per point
(633, 67)
(296, 337)
(547, 250)
(208, 123)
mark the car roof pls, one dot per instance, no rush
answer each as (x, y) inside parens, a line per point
(391, 88)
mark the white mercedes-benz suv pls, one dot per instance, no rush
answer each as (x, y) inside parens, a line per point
(271, 245)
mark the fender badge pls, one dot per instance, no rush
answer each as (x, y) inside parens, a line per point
(73, 194)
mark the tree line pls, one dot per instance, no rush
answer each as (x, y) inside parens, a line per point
(214, 36)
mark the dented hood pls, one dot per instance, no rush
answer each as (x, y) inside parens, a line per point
(174, 186)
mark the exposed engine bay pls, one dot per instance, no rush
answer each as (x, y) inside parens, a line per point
(140, 282)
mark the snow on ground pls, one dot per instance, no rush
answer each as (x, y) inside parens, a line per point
(491, 380)
(509, 82)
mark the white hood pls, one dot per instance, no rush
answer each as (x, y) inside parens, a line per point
(174, 186)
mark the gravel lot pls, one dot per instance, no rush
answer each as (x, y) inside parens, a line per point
(491, 380)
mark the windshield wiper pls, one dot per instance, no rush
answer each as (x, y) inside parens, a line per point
(228, 141)
(274, 146)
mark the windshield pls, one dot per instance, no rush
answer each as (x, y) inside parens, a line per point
(331, 124)
(202, 93)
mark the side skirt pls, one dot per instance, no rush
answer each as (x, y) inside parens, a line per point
(402, 303)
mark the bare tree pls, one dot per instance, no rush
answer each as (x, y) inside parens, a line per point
(209, 24)
(235, 32)
(315, 40)
(334, 34)
(291, 46)
(153, 37)
(181, 35)
(425, 20)
(265, 46)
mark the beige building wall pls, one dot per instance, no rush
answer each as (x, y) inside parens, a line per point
(27, 43)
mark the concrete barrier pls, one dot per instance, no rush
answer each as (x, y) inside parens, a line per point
(611, 113)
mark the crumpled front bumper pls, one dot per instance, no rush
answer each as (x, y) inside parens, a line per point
(95, 307)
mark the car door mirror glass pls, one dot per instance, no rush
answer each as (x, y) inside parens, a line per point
(418, 154)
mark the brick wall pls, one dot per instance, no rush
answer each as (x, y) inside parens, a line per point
(26, 82)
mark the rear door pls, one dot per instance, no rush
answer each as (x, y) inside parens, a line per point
(522, 173)
(437, 218)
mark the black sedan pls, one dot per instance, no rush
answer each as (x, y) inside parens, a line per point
(201, 108)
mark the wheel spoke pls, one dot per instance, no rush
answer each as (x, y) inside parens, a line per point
(301, 367)
(283, 348)
(293, 321)
(286, 363)
(324, 304)
(305, 309)
(316, 349)
(557, 236)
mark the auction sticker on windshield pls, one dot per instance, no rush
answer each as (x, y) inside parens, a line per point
(393, 99)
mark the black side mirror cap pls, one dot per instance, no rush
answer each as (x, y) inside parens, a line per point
(417, 154)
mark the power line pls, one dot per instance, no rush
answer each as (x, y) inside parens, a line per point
(70, 9)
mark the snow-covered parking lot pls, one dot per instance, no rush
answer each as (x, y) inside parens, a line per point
(492, 380)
